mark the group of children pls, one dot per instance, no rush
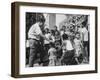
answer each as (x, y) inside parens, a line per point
(65, 46)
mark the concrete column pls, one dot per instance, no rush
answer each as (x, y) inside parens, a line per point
(52, 20)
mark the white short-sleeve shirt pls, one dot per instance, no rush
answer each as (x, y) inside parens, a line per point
(34, 32)
(85, 34)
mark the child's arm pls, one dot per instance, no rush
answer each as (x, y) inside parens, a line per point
(64, 49)
(74, 44)
(77, 60)
(48, 53)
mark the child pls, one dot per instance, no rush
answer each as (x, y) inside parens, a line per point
(85, 38)
(78, 47)
(58, 53)
(68, 51)
(52, 55)
(57, 37)
(46, 42)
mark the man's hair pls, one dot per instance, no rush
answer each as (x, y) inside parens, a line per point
(41, 18)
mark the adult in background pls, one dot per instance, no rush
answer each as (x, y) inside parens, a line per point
(85, 38)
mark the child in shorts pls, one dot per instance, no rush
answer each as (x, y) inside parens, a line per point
(78, 47)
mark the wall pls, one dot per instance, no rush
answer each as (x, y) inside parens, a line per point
(5, 40)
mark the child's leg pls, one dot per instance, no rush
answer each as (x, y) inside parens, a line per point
(55, 62)
(76, 58)
(85, 52)
(50, 62)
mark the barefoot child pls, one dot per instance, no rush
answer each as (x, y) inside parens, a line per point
(52, 55)
(78, 47)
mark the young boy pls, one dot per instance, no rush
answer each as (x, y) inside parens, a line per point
(78, 47)
(52, 55)
(46, 42)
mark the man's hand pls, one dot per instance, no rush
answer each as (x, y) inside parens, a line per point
(43, 36)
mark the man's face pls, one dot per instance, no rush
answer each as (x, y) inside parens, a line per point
(41, 24)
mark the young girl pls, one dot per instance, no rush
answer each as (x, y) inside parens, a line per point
(68, 51)
(52, 55)
(78, 47)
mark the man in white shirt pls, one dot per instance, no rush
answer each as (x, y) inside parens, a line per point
(36, 37)
(85, 34)
(85, 38)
